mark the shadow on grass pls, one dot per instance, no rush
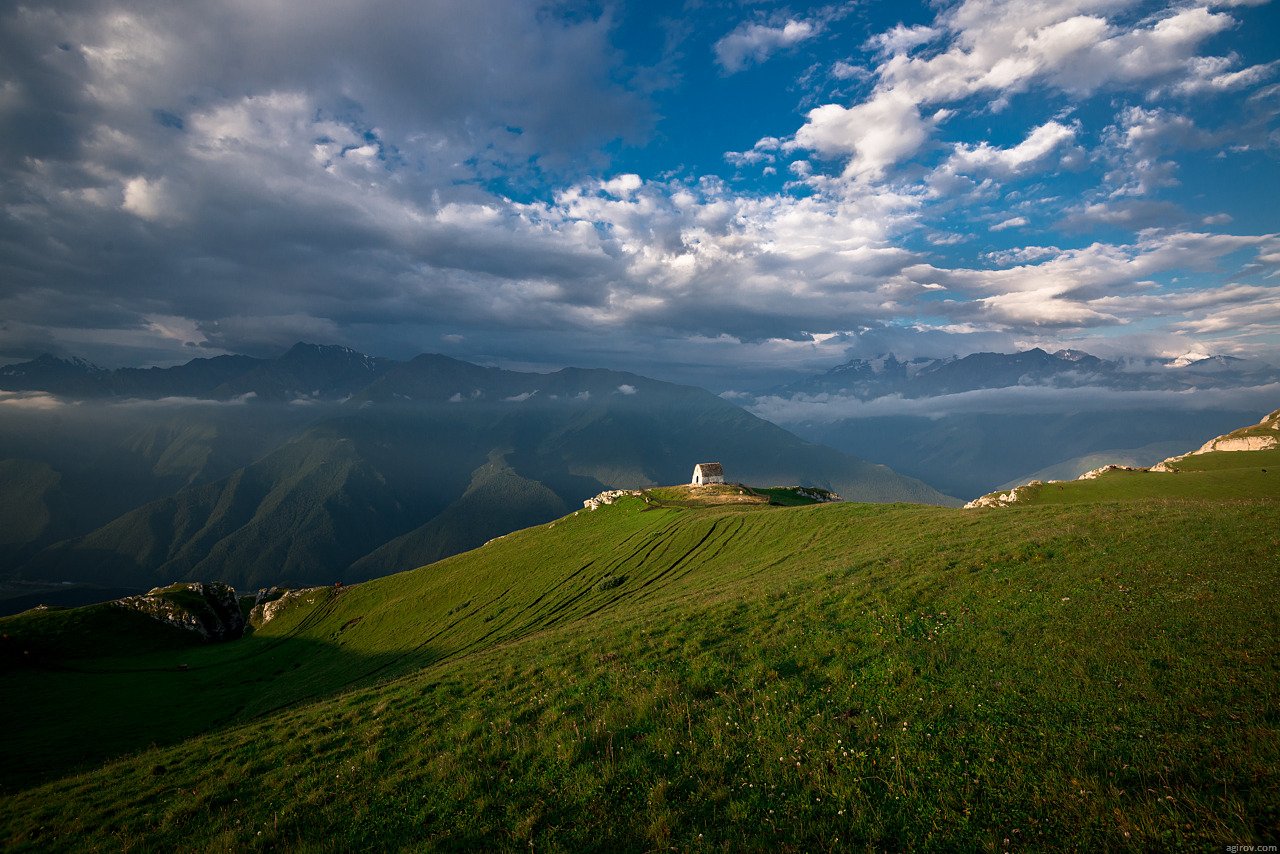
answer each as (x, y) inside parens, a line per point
(65, 715)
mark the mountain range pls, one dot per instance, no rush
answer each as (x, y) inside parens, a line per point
(326, 464)
(869, 379)
(969, 425)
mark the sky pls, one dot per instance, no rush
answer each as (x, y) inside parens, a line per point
(711, 192)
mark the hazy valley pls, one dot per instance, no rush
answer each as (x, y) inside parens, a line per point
(328, 465)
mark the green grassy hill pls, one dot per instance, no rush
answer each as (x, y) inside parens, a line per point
(1247, 468)
(661, 673)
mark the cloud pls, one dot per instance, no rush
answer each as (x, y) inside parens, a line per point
(875, 135)
(1210, 76)
(902, 39)
(1023, 399)
(175, 401)
(623, 185)
(1022, 255)
(844, 71)
(34, 401)
(234, 177)
(752, 43)
(146, 198)
(1001, 48)
(1047, 146)
(1137, 144)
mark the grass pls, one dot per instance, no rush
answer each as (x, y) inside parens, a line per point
(1220, 476)
(830, 677)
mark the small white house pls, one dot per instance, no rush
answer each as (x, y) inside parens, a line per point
(704, 473)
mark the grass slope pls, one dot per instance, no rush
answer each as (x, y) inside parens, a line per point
(1221, 476)
(725, 677)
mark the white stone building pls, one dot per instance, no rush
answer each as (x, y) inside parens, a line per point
(704, 473)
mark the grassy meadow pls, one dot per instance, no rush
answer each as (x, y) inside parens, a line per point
(666, 675)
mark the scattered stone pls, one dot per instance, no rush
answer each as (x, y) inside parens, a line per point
(996, 499)
(815, 494)
(1096, 473)
(609, 497)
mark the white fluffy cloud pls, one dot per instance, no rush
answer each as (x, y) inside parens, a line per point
(752, 42)
(998, 49)
(1047, 145)
(874, 135)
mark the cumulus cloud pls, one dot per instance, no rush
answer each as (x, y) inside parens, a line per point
(902, 39)
(1001, 48)
(752, 43)
(874, 135)
(1045, 147)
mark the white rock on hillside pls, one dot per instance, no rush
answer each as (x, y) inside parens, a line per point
(1000, 499)
(609, 497)
(1238, 443)
(1099, 472)
(217, 617)
(1231, 442)
(267, 611)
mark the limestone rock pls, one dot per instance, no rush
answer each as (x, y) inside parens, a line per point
(272, 601)
(1099, 472)
(211, 610)
(609, 497)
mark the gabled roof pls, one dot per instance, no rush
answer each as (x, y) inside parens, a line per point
(710, 469)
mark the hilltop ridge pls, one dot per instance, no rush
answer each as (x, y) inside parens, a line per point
(1232, 465)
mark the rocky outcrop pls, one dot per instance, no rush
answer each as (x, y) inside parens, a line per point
(815, 494)
(1099, 472)
(1257, 438)
(1001, 499)
(272, 601)
(1238, 443)
(1260, 437)
(609, 497)
(210, 610)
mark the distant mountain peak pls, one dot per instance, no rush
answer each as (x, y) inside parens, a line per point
(1187, 359)
(1198, 360)
(868, 379)
(304, 350)
(49, 362)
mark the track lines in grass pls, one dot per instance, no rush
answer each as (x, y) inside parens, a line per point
(655, 540)
(666, 572)
(532, 607)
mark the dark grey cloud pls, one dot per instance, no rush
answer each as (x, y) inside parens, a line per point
(290, 163)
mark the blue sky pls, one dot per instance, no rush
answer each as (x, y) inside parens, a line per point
(716, 192)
